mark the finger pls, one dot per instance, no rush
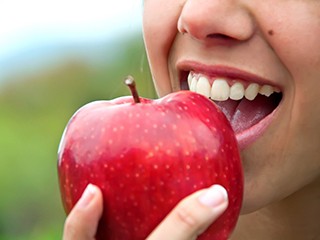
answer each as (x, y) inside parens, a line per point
(193, 215)
(82, 222)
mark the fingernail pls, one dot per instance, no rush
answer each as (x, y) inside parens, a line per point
(87, 196)
(214, 196)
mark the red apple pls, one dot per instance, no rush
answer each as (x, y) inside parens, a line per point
(146, 155)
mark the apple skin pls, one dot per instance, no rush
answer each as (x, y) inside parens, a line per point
(146, 157)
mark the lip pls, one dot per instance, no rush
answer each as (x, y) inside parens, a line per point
(248, 136)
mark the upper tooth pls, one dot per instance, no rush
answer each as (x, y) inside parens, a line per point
(236, 91)
(251, 91)
(193, 85)
(203, 87)
(220, 90)
(190, 77)
(266, 90)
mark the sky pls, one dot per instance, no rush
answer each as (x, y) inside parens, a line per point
(28, 23)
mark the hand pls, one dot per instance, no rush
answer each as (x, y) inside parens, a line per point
(186, 221)
(82, 222)
(193, 215)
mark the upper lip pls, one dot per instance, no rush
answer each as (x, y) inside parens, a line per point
(184, 67)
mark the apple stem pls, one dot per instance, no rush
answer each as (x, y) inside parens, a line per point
(129, 81)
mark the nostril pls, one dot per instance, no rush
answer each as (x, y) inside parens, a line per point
(218, 36)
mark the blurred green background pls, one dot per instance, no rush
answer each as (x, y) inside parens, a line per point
(35, 106)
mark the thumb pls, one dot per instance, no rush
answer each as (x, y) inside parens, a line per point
(193, 215)
(82, 222)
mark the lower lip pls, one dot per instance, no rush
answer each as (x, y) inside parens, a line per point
(247, 137)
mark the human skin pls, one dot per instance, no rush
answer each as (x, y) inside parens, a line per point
(277, 41)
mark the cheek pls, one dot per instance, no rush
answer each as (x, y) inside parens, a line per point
(295, 37)
(160, 28)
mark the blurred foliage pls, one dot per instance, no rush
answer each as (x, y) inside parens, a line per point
(35, 108)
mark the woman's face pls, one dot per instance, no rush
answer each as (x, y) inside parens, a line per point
(236, 44)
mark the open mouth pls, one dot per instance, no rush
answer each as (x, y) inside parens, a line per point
(247, 105)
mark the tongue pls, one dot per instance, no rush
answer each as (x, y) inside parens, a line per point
(244, 114)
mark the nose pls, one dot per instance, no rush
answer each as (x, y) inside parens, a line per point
(215, 19)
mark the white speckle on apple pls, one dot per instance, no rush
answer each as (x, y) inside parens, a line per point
(188, 167)
(110, 141)
(155, 166)
(137, 125)
(155, 126)
(105, 165)
(187, 153)
(167, 166)
(114, 129)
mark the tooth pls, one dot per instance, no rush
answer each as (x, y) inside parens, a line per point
(193, 85)
(276, 89)
(237, 91)
(203, 87)
(220, 90)
(266, 90)
(252, 91)
(190, 76)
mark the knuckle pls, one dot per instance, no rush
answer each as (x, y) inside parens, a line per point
(187, 217)
(70, 228)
